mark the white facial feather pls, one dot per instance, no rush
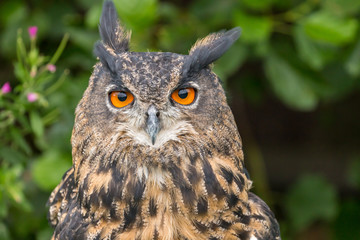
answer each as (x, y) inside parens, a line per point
(171, 128)
(167, 133)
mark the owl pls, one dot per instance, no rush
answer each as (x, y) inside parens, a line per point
(156, 151)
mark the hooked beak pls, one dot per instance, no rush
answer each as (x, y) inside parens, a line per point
(152, 123)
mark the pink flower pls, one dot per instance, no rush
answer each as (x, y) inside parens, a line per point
(51, 68)
(32, 31)
(6, 88)
(32, 97)
(33, 73)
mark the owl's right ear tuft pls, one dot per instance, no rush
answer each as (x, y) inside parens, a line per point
(106, 56)
(112, 33)
(115, 39)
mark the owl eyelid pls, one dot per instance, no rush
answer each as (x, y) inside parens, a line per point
(118, 89)
(186, 85)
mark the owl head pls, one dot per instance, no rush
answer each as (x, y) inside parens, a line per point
(151, 99)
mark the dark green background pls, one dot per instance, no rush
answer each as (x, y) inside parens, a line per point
(292, 81)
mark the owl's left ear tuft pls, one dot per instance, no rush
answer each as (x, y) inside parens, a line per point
(209, 49)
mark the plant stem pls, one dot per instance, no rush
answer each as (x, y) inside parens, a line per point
(60, 49)
(58, 83)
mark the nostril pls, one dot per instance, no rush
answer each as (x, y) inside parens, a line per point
(152, 112)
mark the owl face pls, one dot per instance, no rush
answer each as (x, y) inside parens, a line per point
(153, 98)
(149, 101)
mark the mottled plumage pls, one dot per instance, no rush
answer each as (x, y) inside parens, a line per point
(156, 169)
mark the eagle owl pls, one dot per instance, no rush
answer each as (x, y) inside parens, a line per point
(156, 151)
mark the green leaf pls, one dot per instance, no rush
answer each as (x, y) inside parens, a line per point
(20, 141)
(254, 28)
(14, 186)
(49, 169)
(314, 54)
(326, 27)
(20, 72)
(16, 193)
(11, 156)
(36, 124)
(352, 64)
(310, 199)
(6, 118)
(307, 50)
(289, 84)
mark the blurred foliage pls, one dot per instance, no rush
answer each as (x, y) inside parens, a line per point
(25, 114)
(310, 199)
(308, 52)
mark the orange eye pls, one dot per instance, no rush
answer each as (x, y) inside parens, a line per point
(121, 99)
(184, 96)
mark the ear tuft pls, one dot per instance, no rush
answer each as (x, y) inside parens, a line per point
(115, 39)
(106, 56)
(111, 32)
(207, 50)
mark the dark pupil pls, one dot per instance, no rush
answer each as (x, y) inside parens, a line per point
(122, 96)
(183, 93)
